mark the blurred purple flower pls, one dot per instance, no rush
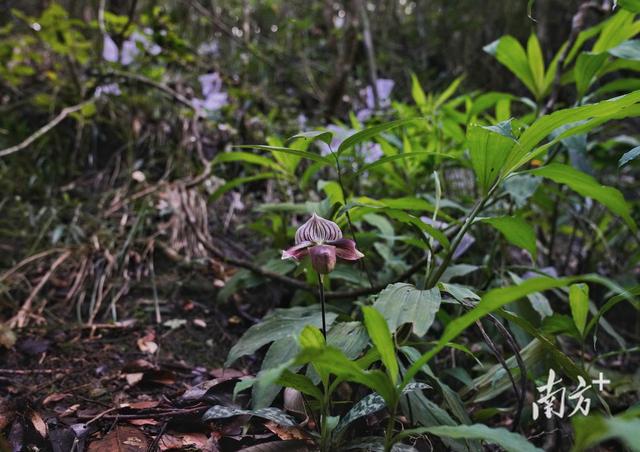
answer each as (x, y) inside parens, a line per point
(130, 49)
(372, 152)
(384, 87)
(213, 96)
(109, 49)
(109, 89)
(339, 135)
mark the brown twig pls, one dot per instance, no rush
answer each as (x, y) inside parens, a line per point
(20, 318)
(44, 129)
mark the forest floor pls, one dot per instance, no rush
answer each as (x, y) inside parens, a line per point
(135, 384)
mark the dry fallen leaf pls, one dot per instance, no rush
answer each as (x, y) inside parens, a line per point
(122, 438)
(286, 433)
(141, 422)
(144, 404)
(134, 378)
(146, 343)
(55, 397)
(39, 424)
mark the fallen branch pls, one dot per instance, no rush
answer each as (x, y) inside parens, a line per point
(44, 129)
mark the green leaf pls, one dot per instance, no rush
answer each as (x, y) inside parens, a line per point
(586, 185)
(246, 157)
(402, 303)
(489, 150)
(579, 303)
(240, 181)
(491, 301)
(510, 53)
(617, 29)
(264, 391)
(403, 155)
(371, 404)
(516, 231)
(587, 66)
(417, 93)
(592, 430)
(628, 50)
(310, 137)
(631, 5)
(305, 154)
(381, 338)
(536, 63)
(370, 132)
(511, 442)
(628, 156)
(280, 324)
(300, 383)
(545, 125)
(272, 414)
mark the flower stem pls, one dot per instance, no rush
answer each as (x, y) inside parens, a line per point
(322, 304)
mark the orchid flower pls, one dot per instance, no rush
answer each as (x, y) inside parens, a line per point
(322, 240)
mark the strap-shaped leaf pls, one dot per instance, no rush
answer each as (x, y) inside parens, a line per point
(511, 442)
(305, 154)
(586, 185)
(381, 337)
(370, 132)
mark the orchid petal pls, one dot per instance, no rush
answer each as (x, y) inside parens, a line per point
(318, 230)
(297, 252)
(346, 249)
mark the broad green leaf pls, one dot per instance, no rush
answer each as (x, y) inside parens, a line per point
(587, 66)
(516, 231)
(628, 50)
(381, 337)
(587, 186)
(511, 442)
(272, 414)
(628, 156)
(306, 154)
(489, 151)
(510, 53)
(280, 324)
(370, 132)
(350, 337)
(592, 430)
(579, 303)
(309, 137)
(536, 63)
(402, 303)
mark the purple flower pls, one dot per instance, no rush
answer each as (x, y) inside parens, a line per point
(322, 241)
(384, 87)
(372, 152)
(130, 49)
(109, 49)
(109, 89)
(211, 87)
(339, 135)
(209, 48)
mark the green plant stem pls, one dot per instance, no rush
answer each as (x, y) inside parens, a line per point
(322, 304)
(437, 274)
(388, 437)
